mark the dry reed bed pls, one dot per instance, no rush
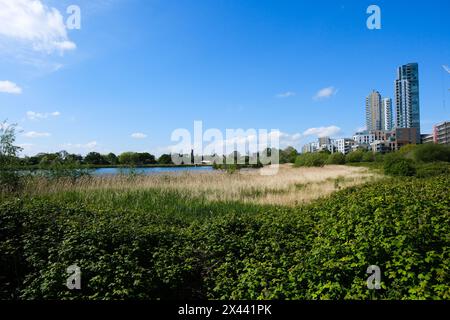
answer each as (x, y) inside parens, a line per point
(290, 186)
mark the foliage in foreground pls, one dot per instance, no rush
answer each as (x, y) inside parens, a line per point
(184, 248)
(311, 159)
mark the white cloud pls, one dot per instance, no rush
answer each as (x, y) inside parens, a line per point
(9, 87)
(34, 134)
(86, 146)
(322, 131)
(34, 25)
(446, 68)
(325, 93)
(286, 94)
(139, 135)
(246, 141)
(37, 116)
(26, 145)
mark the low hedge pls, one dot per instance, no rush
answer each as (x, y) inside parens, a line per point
(232, 250)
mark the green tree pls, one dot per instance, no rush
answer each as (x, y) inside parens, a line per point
(146, 158)
(95, 158)
(112, 158)
(165, 159)
(396, 165)
(8, 150)
(354, 156)
(368, 157)
(431, 153)
(336, 158)
(127, 158)
(10, 180)
(74, 159)
(288, 155)
(49, 159)
(311, 160)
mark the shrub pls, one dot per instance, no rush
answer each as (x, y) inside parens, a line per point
(311, 160)
(433, 169)
(355, 156)
(336, 158)
(430, 152)
(192, 249)
(10, 179)
(396, 165)
(379, 157)
(368, 157)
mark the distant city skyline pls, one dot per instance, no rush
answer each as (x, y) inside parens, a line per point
(137, 70)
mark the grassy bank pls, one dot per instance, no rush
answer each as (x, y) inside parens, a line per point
(150, 243)
(290, 186)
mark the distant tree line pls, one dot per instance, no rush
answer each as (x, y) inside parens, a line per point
(9, 156)
(96, 159)
(287, 155)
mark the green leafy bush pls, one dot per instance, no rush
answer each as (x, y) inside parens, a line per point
(432, 169)
(336, 158)
(396, 165)
(354, 156)
(311, 160)
(10, 179)
(179, 248)
(430, 152)
(368, 157)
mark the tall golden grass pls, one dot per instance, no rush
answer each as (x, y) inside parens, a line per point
(291, 186)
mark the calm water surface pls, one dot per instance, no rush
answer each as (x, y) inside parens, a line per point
(149, 171)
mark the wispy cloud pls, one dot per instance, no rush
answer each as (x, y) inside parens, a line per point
(446, 68)
(247, 141)
(90, 145)
(139, 135)
(34, 134)
(322, 131)
(9, 87)
(31, 115)
(32, 24)
(286, 94)
(325, 93)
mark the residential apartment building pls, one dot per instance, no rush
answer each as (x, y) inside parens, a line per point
(407, 97)
(403, 136)
(427, 138)
(310, 147)
(387, 114)
(442, 133)
(374, 119)
(364, 138)
(344, 145)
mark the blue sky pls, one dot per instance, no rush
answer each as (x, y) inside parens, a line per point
(148, 67)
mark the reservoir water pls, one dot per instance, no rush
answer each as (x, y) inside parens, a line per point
(149, 170)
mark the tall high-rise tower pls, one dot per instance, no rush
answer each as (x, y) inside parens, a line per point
(387, 114)
(374, 119)
(407, 97)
